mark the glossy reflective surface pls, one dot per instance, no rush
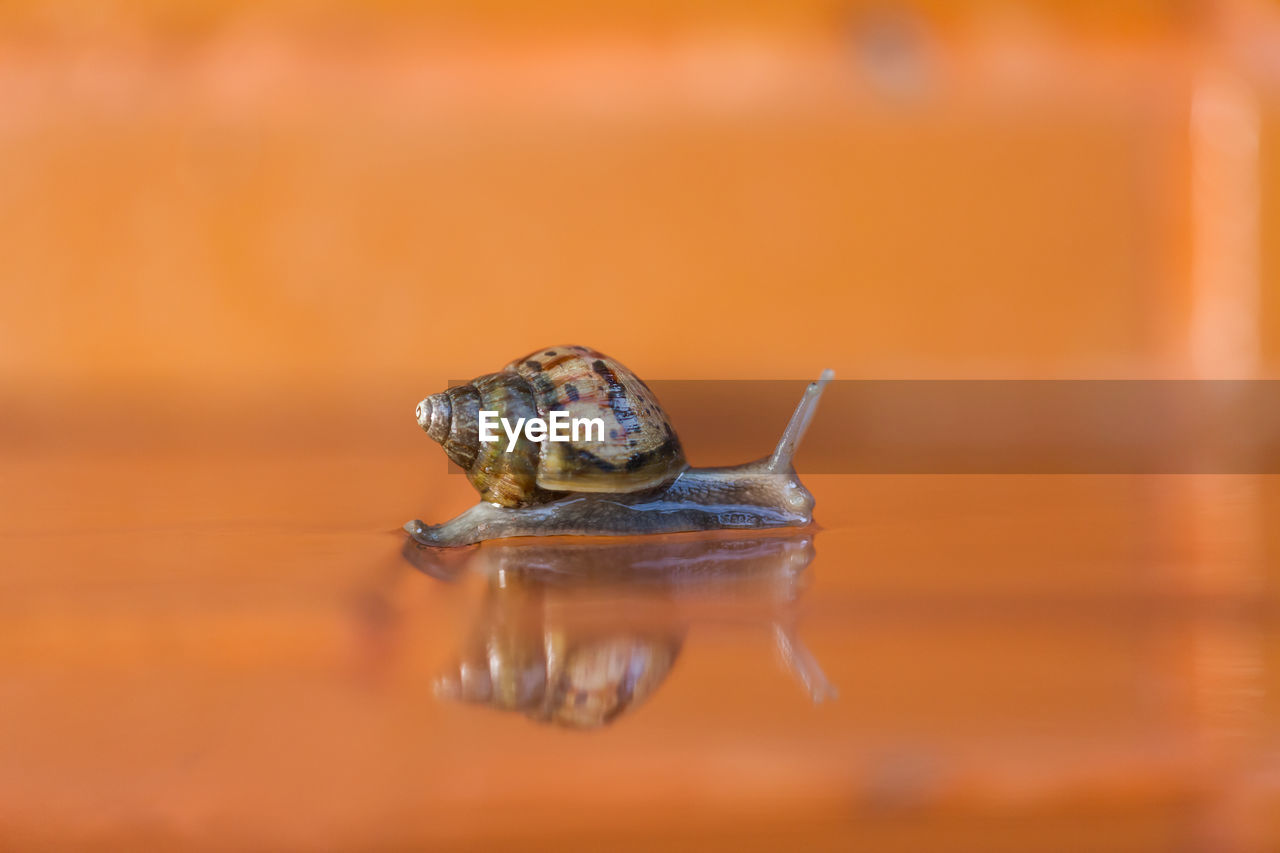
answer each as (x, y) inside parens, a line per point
(578, 632)
(239, 241)
(212, 649)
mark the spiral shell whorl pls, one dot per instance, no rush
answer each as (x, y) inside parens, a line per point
(434, 415)
(452, 419)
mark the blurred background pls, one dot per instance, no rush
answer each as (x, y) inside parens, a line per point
(238, 241)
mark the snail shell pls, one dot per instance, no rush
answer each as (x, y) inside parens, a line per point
(640, 449)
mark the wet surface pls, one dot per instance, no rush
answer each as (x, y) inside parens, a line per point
(203, 650)
(579, 633)
(240, 243)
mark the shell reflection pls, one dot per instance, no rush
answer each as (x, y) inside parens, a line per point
(579, 634)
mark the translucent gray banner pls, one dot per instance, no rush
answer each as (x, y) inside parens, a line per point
(989, 426)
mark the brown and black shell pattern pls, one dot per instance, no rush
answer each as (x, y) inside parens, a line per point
(640, 449)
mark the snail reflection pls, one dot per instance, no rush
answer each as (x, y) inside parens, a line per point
(580, 634)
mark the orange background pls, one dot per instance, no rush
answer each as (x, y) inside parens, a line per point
(240, 241)
(236, 197)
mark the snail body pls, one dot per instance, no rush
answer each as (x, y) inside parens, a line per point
(633, 478)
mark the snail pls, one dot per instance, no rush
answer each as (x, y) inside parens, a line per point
(580, 634)
(632, 478)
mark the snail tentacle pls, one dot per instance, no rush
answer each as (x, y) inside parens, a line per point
(799, 423)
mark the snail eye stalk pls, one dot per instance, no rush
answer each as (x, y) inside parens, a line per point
(790, 441)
